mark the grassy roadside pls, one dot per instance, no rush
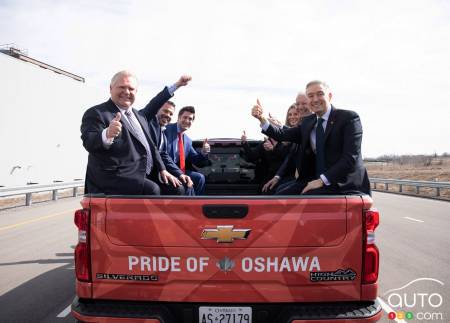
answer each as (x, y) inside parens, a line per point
(420, 168)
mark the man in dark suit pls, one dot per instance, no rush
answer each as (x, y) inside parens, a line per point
(122, 157)
(176, 139)
(329, 154)
(158, 118)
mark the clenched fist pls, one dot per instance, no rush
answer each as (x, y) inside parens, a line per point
(183, 80)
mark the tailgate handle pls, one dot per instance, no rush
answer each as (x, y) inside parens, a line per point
(220, 211)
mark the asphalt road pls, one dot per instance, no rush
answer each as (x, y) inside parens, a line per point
(36, 262)
(414, 242)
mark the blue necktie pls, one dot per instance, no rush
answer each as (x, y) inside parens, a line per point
(320, 149)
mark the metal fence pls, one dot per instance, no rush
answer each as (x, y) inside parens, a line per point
(401, 183)
(28, 190)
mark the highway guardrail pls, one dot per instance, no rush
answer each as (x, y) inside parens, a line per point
(401, 183)
(28, 190)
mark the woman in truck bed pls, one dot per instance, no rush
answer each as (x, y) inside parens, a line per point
(270, 154)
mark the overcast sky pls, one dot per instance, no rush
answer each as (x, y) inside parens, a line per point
(387, 60)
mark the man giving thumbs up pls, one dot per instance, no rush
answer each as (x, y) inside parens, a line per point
(123, 158)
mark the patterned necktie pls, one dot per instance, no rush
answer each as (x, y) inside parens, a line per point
(137, 131)
(181, 151)
(320, 149)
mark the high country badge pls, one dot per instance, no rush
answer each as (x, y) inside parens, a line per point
(338, 275)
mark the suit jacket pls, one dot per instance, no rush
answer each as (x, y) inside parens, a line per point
(191, 156)
(343, 161)
(267, 162)
(288, 166)
(158, 136)
(119, 169)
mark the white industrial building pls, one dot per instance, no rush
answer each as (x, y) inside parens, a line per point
(41, 110)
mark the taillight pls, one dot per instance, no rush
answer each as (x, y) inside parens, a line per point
(82, 250)
(372, 219)
(371, 255)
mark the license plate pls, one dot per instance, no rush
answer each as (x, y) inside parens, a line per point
(207, 314)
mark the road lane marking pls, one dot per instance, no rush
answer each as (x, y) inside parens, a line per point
(64, 312)
(388, 309)
(412, 219)
(34, 220)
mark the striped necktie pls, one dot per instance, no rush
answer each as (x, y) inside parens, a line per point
(137, 131)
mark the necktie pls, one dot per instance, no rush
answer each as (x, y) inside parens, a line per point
(181, 151)
(137, 131)
(320, 149)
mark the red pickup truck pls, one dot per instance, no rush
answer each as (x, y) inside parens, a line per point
(231, 256)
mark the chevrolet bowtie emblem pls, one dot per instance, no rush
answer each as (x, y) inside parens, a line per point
(225, 233)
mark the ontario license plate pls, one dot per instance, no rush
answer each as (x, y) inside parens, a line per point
(207, 314)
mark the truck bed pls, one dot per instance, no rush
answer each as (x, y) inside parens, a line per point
(242, 257)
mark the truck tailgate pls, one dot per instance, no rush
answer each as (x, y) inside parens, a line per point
(215, 249)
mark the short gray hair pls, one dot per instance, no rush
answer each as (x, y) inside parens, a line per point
(318, 82)
(121, 74)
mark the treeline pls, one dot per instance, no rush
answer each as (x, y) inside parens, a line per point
(417, 160)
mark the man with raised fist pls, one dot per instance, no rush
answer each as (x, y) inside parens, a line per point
(123, 158)
(158, 118)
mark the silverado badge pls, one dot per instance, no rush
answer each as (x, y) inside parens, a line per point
(225, 233)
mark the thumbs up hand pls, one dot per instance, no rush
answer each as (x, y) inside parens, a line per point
(268, 146)
(244, 137)
(206, 148)
(274, 121)
(115, 127)
(258, 112)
